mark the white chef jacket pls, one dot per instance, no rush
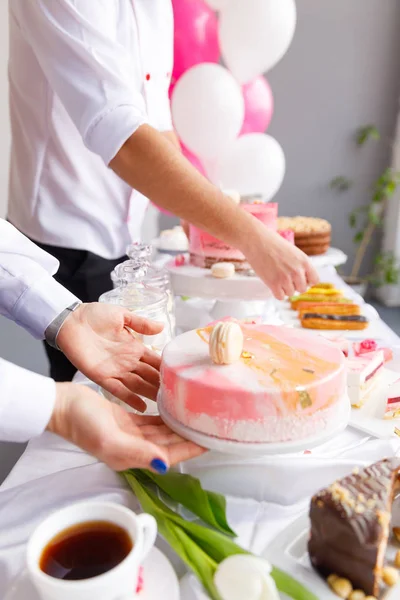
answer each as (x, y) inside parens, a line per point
(84, 75)
(32, 298)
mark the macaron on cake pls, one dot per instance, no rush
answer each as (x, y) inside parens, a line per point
(253, 383)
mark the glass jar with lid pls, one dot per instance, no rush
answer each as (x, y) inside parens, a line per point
(133, 292)
(156, 277)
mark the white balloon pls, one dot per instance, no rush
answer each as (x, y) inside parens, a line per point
(255, 164)
(217, 4)
(207, 109)
(255, 35)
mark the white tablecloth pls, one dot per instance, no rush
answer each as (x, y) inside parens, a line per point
(53, 473)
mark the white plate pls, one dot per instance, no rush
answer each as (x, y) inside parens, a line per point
(289, 552)
(369, 418)
(249, 449)
(160, 581)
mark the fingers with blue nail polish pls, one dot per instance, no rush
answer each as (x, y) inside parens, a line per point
(159, 466)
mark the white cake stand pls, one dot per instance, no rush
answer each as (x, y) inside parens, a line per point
(239, 296)
(332, 258)
(253, 449)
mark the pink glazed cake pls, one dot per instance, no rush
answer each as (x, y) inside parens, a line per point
(206, 250)
(288, 385)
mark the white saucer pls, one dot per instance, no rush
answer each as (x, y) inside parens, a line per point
(248, 449)
(160, 581)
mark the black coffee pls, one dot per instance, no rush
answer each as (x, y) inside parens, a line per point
(85, 550)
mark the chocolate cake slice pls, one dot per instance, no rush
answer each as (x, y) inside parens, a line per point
(350, 525)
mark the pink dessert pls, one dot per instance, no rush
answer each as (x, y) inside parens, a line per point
(363, 372)
(288, 385)
(206, 250)
(392, 410)
(367, 346)
(287, 234)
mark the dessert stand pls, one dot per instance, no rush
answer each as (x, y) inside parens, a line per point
(255, 449)
(240, 296)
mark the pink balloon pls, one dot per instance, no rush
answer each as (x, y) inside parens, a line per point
(196, 35)
(193, 159)
(259, 106)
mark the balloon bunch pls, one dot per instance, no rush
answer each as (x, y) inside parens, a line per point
(221, 114)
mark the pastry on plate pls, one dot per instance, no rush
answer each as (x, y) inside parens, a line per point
(325, 321)
(392, 410)
(350, 527)
(367, 346)
(331, 308)
(363, 373)
(305, 304)
(306, 297)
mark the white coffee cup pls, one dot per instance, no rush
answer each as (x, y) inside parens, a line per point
(120, 583)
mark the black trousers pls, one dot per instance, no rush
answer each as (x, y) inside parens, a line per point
(87, 276)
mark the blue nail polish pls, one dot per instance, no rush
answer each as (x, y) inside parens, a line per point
(159, 465)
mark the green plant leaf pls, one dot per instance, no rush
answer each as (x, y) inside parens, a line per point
(369, 132)
(188, 491)
(358, 238)
(374, 218)
(353, 219)
(291, 587)
(202, 549)
(341, 183)
(195, 558)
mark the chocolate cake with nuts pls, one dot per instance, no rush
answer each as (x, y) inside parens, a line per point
(350, 525)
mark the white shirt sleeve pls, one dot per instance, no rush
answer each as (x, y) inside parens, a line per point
(76, 45)
(28, 293)
(26, 403)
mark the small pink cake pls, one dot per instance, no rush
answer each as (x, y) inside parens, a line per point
(367, 346)
(206, 250)
(288, 385)
(392, 410)
(363, 372)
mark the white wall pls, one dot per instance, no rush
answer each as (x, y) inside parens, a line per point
(4, 124)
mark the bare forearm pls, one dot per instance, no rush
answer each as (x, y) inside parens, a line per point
(169, 180)
(172, 138)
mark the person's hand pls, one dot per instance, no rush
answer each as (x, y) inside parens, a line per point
(96, 340)
(282, 266)
(186, 228)
(120, 439)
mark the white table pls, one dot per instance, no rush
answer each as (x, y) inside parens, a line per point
(53, 473)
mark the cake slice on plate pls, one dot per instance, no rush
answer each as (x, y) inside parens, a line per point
(392, 410)
(362, 374)
(367, 346)
(350, 525)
